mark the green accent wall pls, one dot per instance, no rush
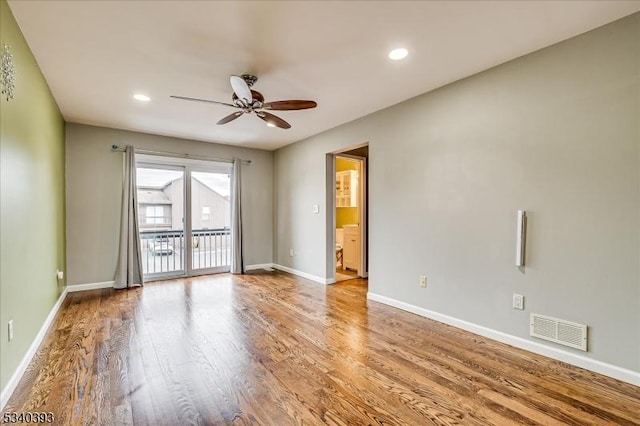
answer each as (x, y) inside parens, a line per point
(32, 201)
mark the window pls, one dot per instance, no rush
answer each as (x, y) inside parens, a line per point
(155, 215)
(206, 214)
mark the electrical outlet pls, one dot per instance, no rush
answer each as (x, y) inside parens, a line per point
(423, 281)
(59, 275)
(316, 209)
(10, 330)
(518, 301)
(292, 253)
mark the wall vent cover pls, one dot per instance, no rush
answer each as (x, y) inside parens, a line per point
(559, 331)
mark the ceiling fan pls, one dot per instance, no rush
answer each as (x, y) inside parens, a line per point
(249, 101)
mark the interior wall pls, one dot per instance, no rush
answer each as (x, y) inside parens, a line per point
(94, 196)
(32, 245)
(346, 216)
(556, 133)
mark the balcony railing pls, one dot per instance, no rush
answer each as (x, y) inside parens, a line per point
(211, 248)
(163, 251)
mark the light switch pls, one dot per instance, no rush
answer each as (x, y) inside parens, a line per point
(316, 209)
(518, 301)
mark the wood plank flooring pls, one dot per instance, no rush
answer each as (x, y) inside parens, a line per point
(345, 274)
(273, 349)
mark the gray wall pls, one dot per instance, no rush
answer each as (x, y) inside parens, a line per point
(94, 196)
(556, 133)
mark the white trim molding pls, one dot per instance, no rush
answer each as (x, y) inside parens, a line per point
(90, 286)
(304, 274)
(33, 348)
(271, 266)
(37, 341)
(577, 360)
(265, 266)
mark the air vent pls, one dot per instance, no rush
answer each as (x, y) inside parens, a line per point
(559, 331)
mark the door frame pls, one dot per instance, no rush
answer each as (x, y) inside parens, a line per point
(363, 201)
(147, 163)
(191, 271)
(187, 166)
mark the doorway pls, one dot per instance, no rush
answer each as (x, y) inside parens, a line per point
(348, 205)
(184, 217)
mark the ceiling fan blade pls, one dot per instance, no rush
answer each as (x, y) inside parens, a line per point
(241, 88)
(273, 120)
(289, 105)
(230, 117)
(203, 100)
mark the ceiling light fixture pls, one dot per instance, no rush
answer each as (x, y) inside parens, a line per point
(397, 54)
(270, 124)
(140, 97)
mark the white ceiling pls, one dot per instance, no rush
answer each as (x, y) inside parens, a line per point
(96, 54)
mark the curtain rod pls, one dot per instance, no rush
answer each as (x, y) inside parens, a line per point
(177, 155)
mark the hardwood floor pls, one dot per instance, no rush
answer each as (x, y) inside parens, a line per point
(345, 274)
(270, 348)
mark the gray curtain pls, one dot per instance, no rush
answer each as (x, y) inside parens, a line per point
(237, 262)
(129, 270)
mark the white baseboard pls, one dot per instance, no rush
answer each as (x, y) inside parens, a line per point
(37, 341)
(28, 356)
(90, 286)
(270, 266)
(303, 274)
(581, 361)
(265, 266)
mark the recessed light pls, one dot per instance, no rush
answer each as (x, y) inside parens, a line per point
(140, 97)
(397, 54)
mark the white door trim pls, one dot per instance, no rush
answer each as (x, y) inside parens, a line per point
(331, 211)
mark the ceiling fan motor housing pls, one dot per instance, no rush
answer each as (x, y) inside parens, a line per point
(250, 79)
(257, 96)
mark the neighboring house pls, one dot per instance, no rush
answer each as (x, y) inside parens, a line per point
(161, 208)
(154, 208)
(210, 209)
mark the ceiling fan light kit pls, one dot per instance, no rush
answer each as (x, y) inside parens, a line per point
(250, 101)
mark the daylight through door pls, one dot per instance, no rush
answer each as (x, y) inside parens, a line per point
(184, 218)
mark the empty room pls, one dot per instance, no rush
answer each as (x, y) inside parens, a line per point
(320, 212)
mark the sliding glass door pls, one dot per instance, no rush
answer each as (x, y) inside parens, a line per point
(210, 222)
(184, 217)
(161, 219)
